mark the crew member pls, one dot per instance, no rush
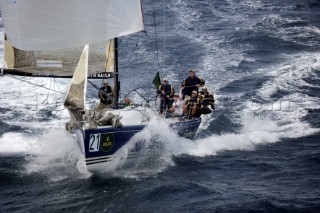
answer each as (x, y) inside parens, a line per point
(206, 99)
(166, 92)
(191, 83)
(192, 106)
(177, 106)
(105, 95)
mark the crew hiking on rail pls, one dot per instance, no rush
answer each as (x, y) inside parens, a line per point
(193, 102)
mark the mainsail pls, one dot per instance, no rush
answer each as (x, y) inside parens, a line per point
(60, 24)
(45, 38)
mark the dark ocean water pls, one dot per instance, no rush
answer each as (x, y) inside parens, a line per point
(259, 151)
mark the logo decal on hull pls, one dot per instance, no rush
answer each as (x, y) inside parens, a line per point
(107, 142)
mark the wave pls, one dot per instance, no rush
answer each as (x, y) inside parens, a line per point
(54, 154)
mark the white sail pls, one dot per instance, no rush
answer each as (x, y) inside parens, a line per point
(59, 24)
(8, 59)
(58, 63)
(75, 99)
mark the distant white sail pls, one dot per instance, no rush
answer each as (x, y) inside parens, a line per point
(50, 25)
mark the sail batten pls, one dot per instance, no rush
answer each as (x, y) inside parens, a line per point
(39, 25)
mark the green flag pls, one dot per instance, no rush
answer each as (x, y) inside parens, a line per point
(156, 80)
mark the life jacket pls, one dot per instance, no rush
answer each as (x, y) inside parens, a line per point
(168, 90)
(189, 84)
(192, 104)
(206, 98)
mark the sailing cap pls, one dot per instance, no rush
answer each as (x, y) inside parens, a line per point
(105, 82)
(165, 80)
(194, 92)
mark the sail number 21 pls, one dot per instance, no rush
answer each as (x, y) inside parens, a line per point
(94, 142)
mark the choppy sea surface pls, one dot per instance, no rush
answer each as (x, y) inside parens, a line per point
(258, 152)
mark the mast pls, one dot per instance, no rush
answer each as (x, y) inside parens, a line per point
(116, 81)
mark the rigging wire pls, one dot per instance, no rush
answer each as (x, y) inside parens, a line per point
(41, 86)
(155, 52)
(164, 33)
(142, 96)
(127, 64)
(56, 83)
(130, 56)
(155, 31)
(36, 84)
(92, 84)
(48, 93)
